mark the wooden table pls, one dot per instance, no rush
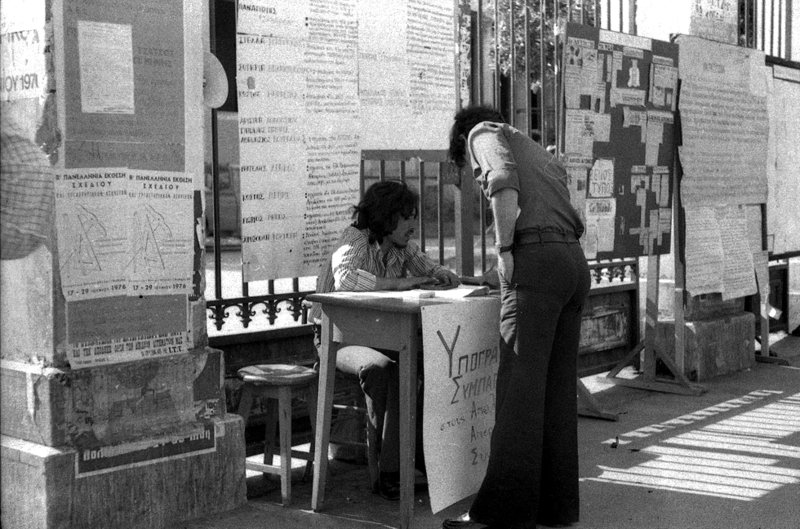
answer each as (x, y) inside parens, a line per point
(391, 323)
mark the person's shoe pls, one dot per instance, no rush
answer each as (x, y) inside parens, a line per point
(463, 522)
(389, 486)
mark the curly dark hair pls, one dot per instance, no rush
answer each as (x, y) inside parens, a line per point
(463, 123)
(382, 206)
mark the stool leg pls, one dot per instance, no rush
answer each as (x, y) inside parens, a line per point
(311, 403)
(285, 419)
(269, 429)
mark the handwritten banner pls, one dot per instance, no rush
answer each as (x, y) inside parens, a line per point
(461, 358)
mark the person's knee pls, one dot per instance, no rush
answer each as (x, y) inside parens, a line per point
(376, 377)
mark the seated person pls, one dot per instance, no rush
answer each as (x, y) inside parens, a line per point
(376, 253)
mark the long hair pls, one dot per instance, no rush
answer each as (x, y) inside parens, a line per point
(382, 206)
(464, 121)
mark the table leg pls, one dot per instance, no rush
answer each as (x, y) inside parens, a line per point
(327, 372)
(408, 422)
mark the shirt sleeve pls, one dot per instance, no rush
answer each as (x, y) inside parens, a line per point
(347, 264)
(494, 164)
(419, 264)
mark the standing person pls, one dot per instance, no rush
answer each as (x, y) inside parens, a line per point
(376, 253)
(532, 475)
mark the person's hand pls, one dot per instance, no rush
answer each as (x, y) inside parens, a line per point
(491, 278)
(408, 283)
(505, 266)
(447, 279)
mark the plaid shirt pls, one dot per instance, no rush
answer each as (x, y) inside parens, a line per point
(356, 264)
(27, 202)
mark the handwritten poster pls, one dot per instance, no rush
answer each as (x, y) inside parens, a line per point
(22, 43)
(619, 98)
(722, 88)
(298, 132)
(783, 164)
(460, 363)
(407, 80)
(318, 81)
(718, 254)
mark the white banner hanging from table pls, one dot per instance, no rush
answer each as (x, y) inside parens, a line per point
(461, 344)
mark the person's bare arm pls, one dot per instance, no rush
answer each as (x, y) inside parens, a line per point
(402, 283)
(504, 207)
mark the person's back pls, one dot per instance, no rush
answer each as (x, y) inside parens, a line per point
(541, 180)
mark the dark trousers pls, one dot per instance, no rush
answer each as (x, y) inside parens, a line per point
(379, 380)
(533, 462)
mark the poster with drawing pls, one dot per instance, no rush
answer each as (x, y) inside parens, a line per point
(461, 344)
(618, 122)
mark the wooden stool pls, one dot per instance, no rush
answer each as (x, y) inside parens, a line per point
(278, 382)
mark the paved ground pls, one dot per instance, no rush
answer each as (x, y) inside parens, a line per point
(727, 459)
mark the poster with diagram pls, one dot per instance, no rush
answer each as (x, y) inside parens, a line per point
(123, 232)
(617, 140)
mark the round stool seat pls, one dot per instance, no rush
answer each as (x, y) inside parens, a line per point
(277, 374)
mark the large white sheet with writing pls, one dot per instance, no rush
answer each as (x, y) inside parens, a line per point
(783, 169)
(461, 357)
(407, 80)
(723, 109)
(317, 82)
(299, 146)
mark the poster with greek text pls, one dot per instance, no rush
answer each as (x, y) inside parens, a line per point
(406, 76)
(618, 122)
(461, 344)
(783, 167)
(724, 124)
(92, 223)
(718, 253)
(112, 330)
(122, 99)
(123, 232)
(299, 139)
(22, 43)
(715, 20)
(161, 234)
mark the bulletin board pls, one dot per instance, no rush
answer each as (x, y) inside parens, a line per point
(617, 137)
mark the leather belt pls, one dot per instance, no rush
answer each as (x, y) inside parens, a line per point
(534, 237)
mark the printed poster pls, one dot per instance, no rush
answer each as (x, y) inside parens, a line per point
(123, 97)
(461, 344)
(124, 232)
(22, 43)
